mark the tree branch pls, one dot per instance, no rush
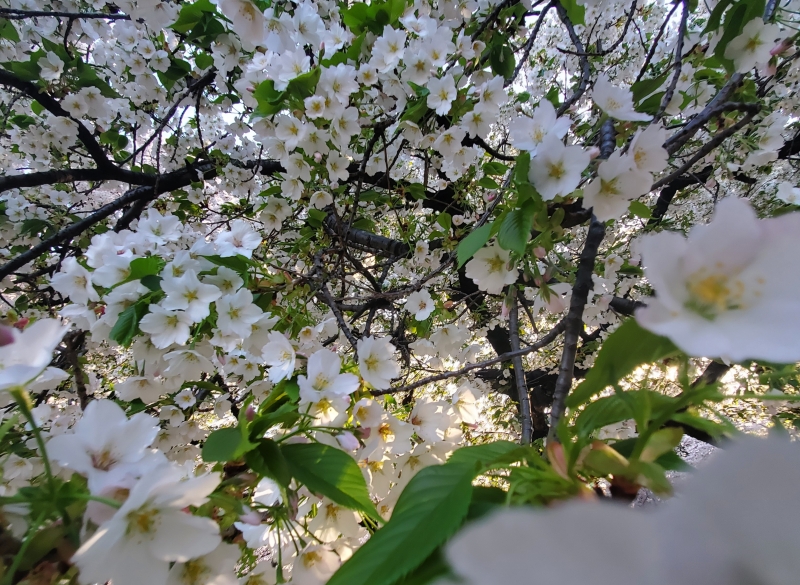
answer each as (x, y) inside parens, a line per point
(519, 370)
(574, 322)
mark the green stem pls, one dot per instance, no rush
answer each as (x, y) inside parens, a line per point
(21, 398)
(8, 578)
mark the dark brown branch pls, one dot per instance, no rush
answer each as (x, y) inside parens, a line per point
(168, 182)
(519, 370)
(677, 65)
(709, 146)
(586, 70)
(18, 14)
(54, 107)
(574, 322)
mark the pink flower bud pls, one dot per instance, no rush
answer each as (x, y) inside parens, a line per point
(334, 184)
(6, 335)
(490, 196)
(594, 152)
(539, 252)
(537, 281)
(317, 157)
(505, 310)
(780, 47)
(250, 413)
(22, 323)
(250, 517)
(348, 441)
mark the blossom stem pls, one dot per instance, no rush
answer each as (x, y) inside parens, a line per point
(21, 398)
(8, 578)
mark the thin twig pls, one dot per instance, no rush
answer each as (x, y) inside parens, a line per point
(678, 65)
(546, 340)
(523, 397)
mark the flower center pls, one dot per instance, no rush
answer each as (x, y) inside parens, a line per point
(143, 521)
(556, 170)
(386, 432)
(712, 294)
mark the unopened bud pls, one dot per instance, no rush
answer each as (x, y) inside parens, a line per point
(317, 157)
(6, 335)
(250, 413)
(22, 323)
(539, 252)
(348, 441)
(594, 152)
(250, 517)
(537, 281)
(449, 305)
(780, 47)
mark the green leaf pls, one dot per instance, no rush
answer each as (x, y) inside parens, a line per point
(224, 445)
(645, 87)
(191, 14)
(203, 60)
(127, 324)
(303, 86)
(625, 349)
(8, 425)
(472, 243)
(601, 412)
(238, 264)
(639, 209)
(152, 282)
(495, 168)
(431, 508)
(488, 183)
(576, 12)
(332, 473)
(502, 60)
(605, 460)
(148, 266)
(267, 459)
(715, 18)
(87, 77)
(446, 221)
(661, 442)
(7, 31)
(522, 168)
(415, 110)
(515, 233)
(734, 23)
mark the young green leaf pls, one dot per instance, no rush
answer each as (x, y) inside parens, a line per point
(330, 472)
(226, 444)
(625, 349)
(431, 508)
(515, 233)
(472, 243)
